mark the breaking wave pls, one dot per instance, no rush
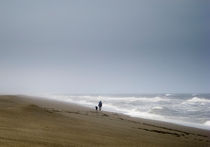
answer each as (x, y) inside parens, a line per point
(198, 100)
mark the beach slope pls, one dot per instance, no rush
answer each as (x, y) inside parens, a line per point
(33, 121)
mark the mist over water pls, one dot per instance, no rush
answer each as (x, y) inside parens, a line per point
(185, 109)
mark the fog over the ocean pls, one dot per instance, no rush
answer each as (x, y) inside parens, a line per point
(109, 46)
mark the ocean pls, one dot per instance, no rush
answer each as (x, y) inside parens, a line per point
(184, 109)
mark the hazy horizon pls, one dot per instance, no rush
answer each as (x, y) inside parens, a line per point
(112, 46)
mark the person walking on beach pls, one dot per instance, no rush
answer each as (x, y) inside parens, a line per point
(100, 105)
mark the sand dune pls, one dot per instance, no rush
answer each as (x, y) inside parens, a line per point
(30, 121)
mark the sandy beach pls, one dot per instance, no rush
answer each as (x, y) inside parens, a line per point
(32, 121)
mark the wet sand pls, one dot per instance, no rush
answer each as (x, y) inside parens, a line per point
(32, 121)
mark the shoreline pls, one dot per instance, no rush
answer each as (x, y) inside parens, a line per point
(28, 121)
(175, 122)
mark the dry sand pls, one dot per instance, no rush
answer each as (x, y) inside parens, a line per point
(30, 121)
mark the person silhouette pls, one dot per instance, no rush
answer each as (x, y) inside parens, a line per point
(100, 105)
(96, 108)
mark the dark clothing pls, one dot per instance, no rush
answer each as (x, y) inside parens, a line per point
(100, 105)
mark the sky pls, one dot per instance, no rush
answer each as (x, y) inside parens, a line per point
(104, 46)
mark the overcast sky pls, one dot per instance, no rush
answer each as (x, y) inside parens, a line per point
(104, 46)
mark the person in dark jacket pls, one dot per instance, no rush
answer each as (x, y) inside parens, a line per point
(100, 105)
